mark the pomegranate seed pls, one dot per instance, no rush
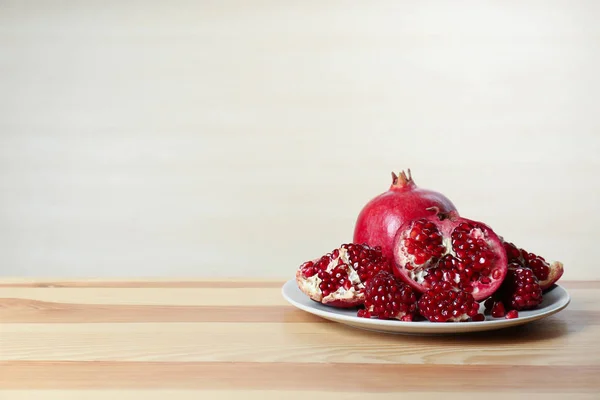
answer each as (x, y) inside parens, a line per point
(498, 310)
(478, 318)
(512, 314)
(467, 288)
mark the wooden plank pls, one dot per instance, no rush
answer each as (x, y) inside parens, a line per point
(156, 283)
(270, 395)
(6, 282)
(296, 376)
(33, 311)
(151, 296)
(582, 299)
(29, 311)
(552, 342)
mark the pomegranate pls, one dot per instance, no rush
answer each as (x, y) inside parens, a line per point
(387, 298)
(444, 303)
(381, 217)
(547, 273)
(520, 290)
(337, 279)
(512, 314)
(447, 247)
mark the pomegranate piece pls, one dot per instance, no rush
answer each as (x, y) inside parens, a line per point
(512, 314)
(338, 278)
(498, 310)
(444, 303)
(520, 290)
(445, 247)
(546, 272)
(478, 318)
(381, 217)
(388, 298)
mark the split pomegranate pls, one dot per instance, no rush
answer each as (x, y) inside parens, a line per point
(381, 217)
(520, 290)
(446, 247)
(387, 298)
(444, 303)
(337, 279)
(547, 273)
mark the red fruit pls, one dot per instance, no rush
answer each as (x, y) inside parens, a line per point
(547, 273)
(381, 217)
(520, 290)
(478, 318)
(512, 314)
(337, 278)
(447, 247)
(443, 303)
(388, 298)
(498, 310)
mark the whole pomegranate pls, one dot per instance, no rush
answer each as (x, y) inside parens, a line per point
(338, 278)
(444, 247)
(381, 217)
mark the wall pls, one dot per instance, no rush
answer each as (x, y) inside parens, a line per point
(235, 138)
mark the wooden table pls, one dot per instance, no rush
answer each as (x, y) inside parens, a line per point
(205, 339)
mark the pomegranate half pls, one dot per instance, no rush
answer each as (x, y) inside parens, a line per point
(445, 247)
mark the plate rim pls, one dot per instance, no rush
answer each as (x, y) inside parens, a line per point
(406, 326)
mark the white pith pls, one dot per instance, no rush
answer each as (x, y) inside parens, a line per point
(310, 286)
(459, 319)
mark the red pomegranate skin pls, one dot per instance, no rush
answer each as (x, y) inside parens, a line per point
(380, 218)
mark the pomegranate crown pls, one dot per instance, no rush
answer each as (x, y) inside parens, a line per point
(402, 180)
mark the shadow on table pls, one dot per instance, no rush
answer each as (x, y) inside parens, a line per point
(542, 330)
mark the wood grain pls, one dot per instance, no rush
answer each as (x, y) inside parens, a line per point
(296, 342)
(295, 376)
(156, 283)
(202, 338)
(226, 394)
(189, 283)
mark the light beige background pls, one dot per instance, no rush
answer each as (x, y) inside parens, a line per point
(238, 138)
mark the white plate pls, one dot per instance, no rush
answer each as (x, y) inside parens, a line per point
(554, 300)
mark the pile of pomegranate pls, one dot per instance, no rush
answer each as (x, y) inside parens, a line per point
(414, 257)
